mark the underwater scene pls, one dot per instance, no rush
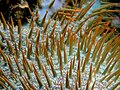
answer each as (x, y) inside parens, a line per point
(59, 45)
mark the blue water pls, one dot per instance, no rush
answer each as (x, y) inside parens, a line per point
(96, 5)
(57, 4)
